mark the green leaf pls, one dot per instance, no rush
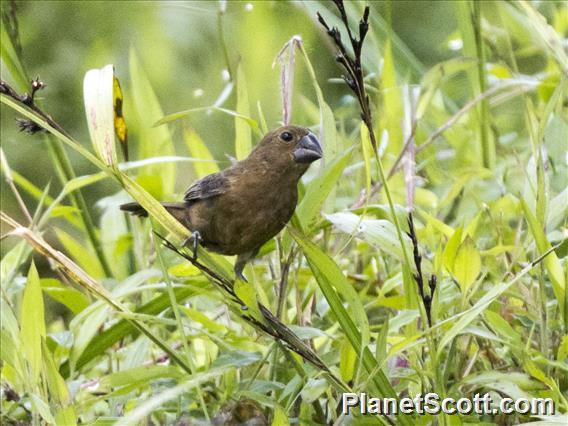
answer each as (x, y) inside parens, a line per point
(146, 407)
(335, 287)
(347, 360)
(59, 394)
(10, 353)
(66, 416)
(136, 375)
(184, 269)
(280, 416)
(451, 249)
(313, 390)
(204, 320)
(237, 359)
(198, 149)
(467, 264)
(11, 262)
(152, 141)
(32, 322)
(84, 256)
(551, 261)
(70, 297)
(354, 323)
(319, 189)
(98, 94)
(378, 232)
(41, 407)
(247, 293)
(243, 138)
(11, 59)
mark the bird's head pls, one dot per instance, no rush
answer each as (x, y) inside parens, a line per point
(289, 147)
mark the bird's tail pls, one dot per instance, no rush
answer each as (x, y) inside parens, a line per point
(177, 210)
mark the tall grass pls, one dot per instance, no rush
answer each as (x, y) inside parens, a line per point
(476, 152)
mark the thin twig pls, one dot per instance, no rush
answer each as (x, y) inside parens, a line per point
(10, 181)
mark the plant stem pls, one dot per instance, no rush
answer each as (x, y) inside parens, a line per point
(59, 156)
(486, 148)
(173, 303)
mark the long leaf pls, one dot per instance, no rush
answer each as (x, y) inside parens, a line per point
(551, 262)
(319, 189)
(146, 408)
(153, 141)
(354, 321)
(33, 323)
(243, 137)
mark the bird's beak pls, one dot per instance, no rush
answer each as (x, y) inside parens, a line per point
(308, 150)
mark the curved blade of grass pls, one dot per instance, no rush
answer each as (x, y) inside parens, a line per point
(147, 407)
(11, 59)
(177, 115)
(102, 341)
(551, 262)
(198, 149)
(354, 322)
(32, 323)
(152, 141)
(319, 189)
(243, 138)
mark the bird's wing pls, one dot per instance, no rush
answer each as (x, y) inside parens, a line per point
(209, 186)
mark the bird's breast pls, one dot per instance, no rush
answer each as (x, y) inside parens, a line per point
(245, 219)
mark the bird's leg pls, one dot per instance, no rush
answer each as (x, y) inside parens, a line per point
(194, 238)
(239, 266)
(241, 262)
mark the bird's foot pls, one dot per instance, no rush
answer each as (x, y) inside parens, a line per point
(194, 239)
(240, 276)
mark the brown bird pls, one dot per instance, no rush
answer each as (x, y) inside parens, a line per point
(237, 210)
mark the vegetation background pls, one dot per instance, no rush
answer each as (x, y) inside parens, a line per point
(472, 93)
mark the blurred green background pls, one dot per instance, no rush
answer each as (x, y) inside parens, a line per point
(178, 44)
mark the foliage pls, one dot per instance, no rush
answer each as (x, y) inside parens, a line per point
(103, 324)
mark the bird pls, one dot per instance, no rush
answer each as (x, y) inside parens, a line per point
(237, 210)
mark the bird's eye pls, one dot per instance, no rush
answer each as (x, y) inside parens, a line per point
(286, 136)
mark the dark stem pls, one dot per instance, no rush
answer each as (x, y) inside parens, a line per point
(354, 79)
(418, 276)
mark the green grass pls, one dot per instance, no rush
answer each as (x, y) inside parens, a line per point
(102, 325)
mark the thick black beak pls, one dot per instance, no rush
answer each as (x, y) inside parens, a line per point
(308, 149)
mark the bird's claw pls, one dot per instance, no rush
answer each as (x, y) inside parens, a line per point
(194, 239)
(241, 277)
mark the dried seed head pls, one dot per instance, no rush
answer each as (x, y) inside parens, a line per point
(28, 126)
